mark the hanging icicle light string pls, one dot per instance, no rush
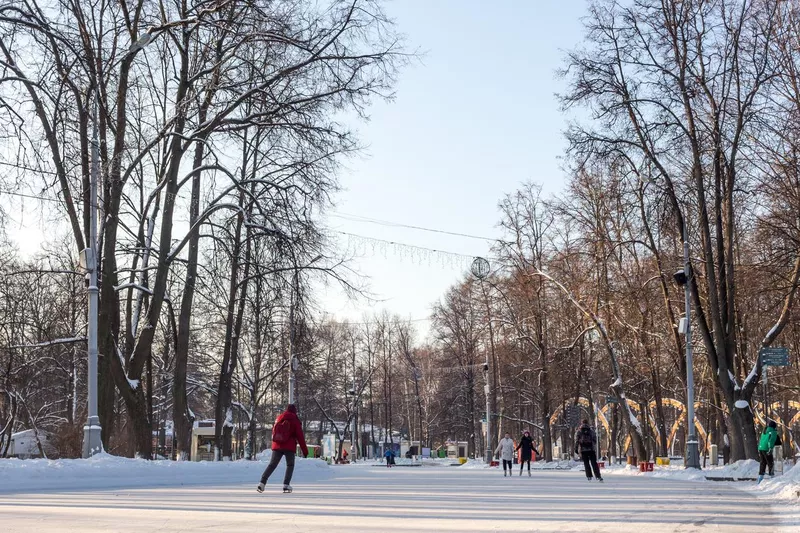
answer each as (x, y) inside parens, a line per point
(361, 245)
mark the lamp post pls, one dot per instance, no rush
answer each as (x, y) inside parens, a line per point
(354, 423)
(480, 269)
(683, 277)
(92, 442)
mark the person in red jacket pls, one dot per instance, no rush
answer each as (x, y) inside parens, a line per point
(287, 433)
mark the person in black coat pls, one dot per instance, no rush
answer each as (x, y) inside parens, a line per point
(528, 449)
(585, 443)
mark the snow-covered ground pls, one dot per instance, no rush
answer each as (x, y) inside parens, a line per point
(782, 489)
(108, 471)
(111, 494)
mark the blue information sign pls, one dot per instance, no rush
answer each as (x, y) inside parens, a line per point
(777, 356)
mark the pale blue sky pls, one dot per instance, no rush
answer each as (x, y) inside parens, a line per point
(474, 119)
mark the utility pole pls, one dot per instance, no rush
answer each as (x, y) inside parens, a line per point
(354, 422)
(488, 415)
(480, 269)
(92, 443)
(684, 277)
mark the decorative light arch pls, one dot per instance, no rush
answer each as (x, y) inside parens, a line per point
(758, 414)
(583, 402)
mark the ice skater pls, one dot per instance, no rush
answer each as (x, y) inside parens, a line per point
(506, 450)
(528, 449)
(769, 439)
(585, 441)
(287, 433)
(389, 455)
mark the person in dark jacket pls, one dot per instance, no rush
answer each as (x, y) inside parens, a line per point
(585, 442)
(287, 434)
(769, 439)
(528, 449)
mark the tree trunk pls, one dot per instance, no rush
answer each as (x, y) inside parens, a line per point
(235, 314)
(181, 413)
(547, 434)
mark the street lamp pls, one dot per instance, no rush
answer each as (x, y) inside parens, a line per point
(92, 442)
(683, 277)
(480, 269)
(354, 429)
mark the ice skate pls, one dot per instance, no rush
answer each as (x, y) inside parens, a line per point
(260, 487)
(287, 489)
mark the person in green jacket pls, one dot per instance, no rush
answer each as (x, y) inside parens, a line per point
(768, 439)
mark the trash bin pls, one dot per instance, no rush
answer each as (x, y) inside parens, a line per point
(601, 464)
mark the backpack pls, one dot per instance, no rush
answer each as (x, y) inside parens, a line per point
(585, 439)
(283, 431)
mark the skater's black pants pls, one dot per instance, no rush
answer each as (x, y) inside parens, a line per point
(767, 460)
(507, 463)
(590, 463)
(273, 464)
(522, 463)
(388, 461)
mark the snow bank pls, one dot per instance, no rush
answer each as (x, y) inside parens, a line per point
(474, 464)
(747, 469)
(785, 487)
(557, 465)
(105, 471)
(739, 470)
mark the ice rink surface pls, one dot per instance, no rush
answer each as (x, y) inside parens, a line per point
(374, 499)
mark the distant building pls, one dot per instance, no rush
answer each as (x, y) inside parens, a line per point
(25, 446)
(203, 440)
